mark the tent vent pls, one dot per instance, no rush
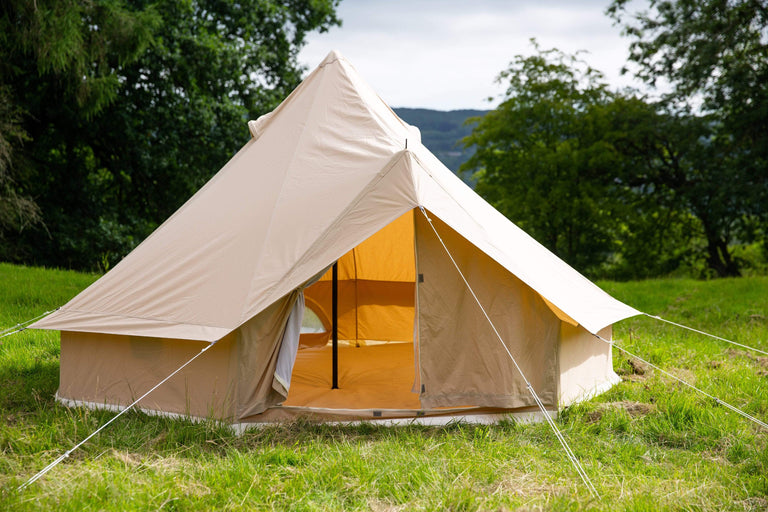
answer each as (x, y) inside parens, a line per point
(377, 414)
(421, 278)
(423, 389)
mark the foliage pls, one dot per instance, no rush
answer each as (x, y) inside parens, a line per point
(540, 161)
(680, 164)
(172, 86)
(715, 56)
(714, 49)
(17, 212)
(58, 60)
(611, 182)
(647, 444)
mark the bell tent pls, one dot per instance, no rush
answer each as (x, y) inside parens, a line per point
(432, 295)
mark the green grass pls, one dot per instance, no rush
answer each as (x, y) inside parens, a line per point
(647, 444)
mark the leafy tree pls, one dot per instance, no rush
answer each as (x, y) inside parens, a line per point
(541, 159)
(17, 212)
(608, 181)
(714, 53)
(58, 61)
(675, 167)
(109, 168)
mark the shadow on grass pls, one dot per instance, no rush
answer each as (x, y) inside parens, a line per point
(27, 389)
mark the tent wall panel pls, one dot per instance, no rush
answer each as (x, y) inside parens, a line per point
(314, 339)
(113, 369)
(462, 360)
(376, 287)
(387, 255)
(586, 364)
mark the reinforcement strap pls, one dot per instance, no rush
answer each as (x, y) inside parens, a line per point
(567, 449)
(681, 381)
(706, 334)
(22, 326)
(66, 454)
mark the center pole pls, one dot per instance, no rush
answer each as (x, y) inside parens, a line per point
(335, 326)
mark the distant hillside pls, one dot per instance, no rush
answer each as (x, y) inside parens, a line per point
(442, 131)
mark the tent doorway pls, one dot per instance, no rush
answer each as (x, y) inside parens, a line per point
(376, 314)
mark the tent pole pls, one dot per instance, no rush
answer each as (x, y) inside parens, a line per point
(335, 326)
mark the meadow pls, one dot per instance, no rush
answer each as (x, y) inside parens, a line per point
(649, 443)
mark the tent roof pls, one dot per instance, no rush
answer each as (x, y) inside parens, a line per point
(324, 171)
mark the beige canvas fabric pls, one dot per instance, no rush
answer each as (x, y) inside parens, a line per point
(333, 174)
(462, 360)
(328, 168)
(118, 369)
(258, 347)
(585, 367)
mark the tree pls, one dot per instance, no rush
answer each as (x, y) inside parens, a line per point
(17, 212)
(714, 53)
(678, 164)
(54, 54)
(612, 183)
(59, 62)
(174, 116)
(542, 162)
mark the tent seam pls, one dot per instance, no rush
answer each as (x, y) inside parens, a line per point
(154, 319)
(375, 116)
(282, 106)
(257, 266)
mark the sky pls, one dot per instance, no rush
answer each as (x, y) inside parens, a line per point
(446, 54)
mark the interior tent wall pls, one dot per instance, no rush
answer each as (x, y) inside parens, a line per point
(376, 288)
(114, 370)
(461, 359)
(376, 304)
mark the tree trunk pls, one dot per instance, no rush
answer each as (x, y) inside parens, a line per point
(719, 258)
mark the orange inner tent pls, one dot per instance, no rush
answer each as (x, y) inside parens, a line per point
(376, 297)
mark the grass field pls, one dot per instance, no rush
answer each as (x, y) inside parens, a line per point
(647, 444)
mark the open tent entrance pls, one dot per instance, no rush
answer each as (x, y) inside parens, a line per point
(414, 341)
(376, 314)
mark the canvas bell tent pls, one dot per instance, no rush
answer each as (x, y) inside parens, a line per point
(429, 281)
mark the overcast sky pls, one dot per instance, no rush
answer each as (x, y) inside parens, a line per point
(446, 54)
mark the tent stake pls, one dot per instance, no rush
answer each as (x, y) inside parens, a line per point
(335, 326)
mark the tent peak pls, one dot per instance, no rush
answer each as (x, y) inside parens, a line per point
(332, 57)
